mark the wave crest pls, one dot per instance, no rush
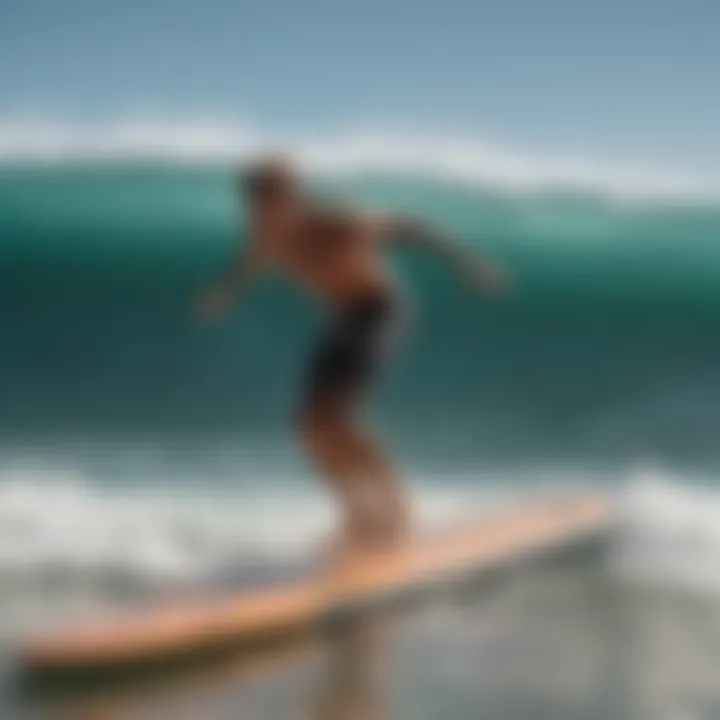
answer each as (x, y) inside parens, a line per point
(466, 160)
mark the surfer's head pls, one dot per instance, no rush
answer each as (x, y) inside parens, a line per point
(270, 184)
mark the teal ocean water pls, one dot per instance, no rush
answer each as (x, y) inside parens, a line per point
(607, 350)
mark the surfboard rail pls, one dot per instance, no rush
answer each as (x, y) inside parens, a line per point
(495, 539)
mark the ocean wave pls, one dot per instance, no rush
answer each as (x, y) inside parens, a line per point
(56, 523)
(606, 348)
(467, 160)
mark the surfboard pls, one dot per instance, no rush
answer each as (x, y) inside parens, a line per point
(493, 540)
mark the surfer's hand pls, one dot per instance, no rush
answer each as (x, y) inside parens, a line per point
(213, 303)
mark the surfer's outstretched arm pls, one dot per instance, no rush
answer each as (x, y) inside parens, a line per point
(478, 271)
(216, 300)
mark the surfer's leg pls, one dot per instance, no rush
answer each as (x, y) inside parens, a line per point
(389, 522)
(354, 466)
(358, 471)
(378, 485)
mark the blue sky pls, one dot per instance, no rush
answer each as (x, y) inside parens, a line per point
(612, 79)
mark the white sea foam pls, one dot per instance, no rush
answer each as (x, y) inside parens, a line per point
(57, 524)
(69, 548)
(668, 533)
(472, 160)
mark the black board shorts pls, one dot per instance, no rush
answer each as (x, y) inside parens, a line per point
(353, 349)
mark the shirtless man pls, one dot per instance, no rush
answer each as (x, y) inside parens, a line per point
(337, 255)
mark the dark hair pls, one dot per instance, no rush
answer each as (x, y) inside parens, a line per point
(267, 177)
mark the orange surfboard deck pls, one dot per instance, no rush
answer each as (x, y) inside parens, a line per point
(494, 540)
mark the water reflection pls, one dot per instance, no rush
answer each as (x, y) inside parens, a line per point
(355, 682)
(562, 642)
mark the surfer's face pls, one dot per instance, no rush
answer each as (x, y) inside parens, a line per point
(268, 193)
(269, 208)
(271, 198)
(266, 196)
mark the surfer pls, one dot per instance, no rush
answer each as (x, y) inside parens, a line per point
(336, 254)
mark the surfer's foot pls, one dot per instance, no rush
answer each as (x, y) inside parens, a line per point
(368, 541)
(338, 556)
(394, 531)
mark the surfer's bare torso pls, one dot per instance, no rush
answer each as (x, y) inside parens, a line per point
(334, 254)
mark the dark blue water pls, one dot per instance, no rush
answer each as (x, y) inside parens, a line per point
(607, 350)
